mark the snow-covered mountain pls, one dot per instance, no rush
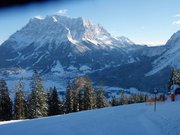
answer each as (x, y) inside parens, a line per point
(60, 47)
(152, 70)
(59, 43)
(55, 30)
(170, 56)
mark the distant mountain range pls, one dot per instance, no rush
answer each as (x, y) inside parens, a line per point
(61, 48)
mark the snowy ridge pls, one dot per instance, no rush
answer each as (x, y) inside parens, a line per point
(49, 30)
(170, 57)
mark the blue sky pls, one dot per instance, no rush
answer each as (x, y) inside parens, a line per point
(143, 21)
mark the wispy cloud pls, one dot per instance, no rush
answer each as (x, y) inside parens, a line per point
(62, 12)
(176, 22)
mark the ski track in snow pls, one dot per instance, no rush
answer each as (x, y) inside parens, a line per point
(135, 119)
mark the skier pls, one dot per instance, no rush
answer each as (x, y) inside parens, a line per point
(172, 96)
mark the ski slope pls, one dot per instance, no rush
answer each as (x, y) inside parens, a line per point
(135, 119)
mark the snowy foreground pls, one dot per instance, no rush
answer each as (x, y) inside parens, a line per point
(136, 119)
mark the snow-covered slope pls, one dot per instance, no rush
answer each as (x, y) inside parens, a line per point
(154, 51)
(136, 119)
(170, 57)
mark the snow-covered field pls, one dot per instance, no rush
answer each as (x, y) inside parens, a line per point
(8, 122)
(135, 119)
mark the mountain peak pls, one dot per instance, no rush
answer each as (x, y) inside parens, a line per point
(79, 29)
(175, 39)
(62, 19)
(57, 29)
(125, 40)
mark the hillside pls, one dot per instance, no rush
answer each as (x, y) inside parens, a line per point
(136, 119)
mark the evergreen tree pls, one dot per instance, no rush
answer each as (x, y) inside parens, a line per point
(78, 93)
(55, 106)
(37, 101)
(100, 98)
(174, 78)
(122, 98)
(114, 101)
(171, 80)
(75, 100)
(89, 97)
(81, 99)
(5, 102)
(20, 107)
(69, 100)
